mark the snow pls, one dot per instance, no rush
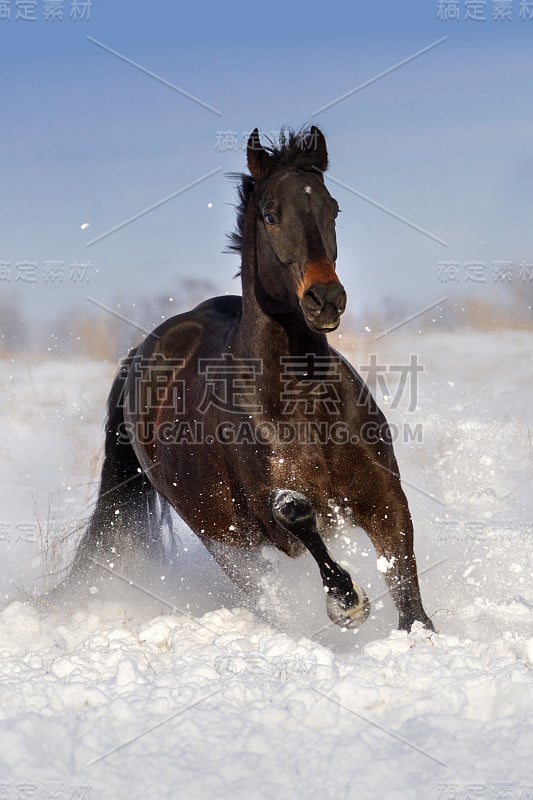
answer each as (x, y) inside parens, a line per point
(175, 685)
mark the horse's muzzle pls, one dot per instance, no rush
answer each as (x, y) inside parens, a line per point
(322, 305)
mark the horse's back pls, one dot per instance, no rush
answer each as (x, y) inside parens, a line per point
(205, 327)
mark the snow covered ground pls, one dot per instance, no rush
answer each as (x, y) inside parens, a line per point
(180, 689)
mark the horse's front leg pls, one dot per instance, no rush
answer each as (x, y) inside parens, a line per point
(390, 529)
(347, 605)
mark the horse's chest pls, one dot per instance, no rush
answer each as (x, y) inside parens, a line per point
(299, 467)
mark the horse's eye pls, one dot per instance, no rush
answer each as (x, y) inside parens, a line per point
(270, 218)
(336, 210)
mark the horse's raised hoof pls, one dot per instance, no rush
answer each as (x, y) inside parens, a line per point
(349, 614)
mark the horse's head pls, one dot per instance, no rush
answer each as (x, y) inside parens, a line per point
(295, 228)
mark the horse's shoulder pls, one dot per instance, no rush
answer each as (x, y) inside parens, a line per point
(347, 369)
(361, 391)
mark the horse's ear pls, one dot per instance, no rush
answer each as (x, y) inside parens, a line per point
(259, 162)
(317, 143)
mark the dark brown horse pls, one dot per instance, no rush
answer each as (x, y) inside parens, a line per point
(242, 417)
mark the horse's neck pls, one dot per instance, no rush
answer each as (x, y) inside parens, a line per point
(271, 336)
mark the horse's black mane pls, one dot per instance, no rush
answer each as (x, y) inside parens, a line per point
(244, 190)
(288, 151)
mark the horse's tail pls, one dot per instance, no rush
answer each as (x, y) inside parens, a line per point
(128, 509)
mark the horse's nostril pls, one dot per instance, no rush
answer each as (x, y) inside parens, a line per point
(342, 301)
(312, 301)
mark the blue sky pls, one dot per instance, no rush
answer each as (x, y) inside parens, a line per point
(445, 141)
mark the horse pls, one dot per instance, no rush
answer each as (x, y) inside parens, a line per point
(240, 416)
